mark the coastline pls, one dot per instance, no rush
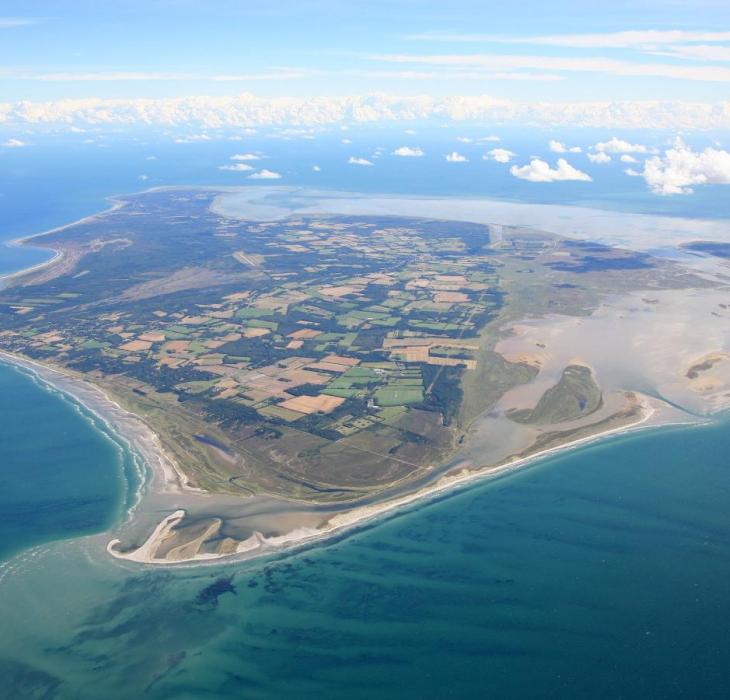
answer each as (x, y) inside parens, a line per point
(163, 475)
(130, 428)
(58, 255)
(258, 545)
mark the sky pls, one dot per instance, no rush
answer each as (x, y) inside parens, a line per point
(526, 51)
(646, 76)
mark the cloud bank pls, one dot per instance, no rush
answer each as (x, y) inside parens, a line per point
(247, 111)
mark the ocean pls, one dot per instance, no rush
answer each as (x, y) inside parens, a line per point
(601, 572)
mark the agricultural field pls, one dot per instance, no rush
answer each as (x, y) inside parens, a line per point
(326, 356)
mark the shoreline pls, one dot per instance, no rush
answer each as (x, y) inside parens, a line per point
(257, 545)
(128, 427)
(58, 255)
(163, 475)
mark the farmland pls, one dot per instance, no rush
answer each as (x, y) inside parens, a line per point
(327, 356)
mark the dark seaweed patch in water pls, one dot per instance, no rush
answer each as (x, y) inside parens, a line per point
(210, 594)
(20, 680)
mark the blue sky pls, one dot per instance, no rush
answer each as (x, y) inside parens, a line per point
(524, 51)
(640, 89)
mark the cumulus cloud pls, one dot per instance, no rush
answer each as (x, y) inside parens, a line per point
(246, 111)
(236, 168)
(408, 152)
(265, 175)
(352, 160)
(455, 157)
(557, 147)
(245, 156)
(680, 168)
(501, 155)
(617, 145)
(601, 157)
(540, 171)
(13, 143)
(626, 158)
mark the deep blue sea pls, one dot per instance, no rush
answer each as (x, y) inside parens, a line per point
(601, 573)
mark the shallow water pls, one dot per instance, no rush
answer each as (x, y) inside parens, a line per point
(61, 473)
(599, 573)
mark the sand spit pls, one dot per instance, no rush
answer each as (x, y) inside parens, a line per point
(162, 546)
(260, 545)
(58, 255)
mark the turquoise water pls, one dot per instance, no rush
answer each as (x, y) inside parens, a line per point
(601, 573)
(61, 473)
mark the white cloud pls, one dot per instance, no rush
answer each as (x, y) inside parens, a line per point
(408, 152)
(680, 168)
(617, 145)
(601, 157)
(358, 161)
(409, 131)
(316, 168)
(193, 138)
(455, 157)
(265, 175)
(13, 143)
(151, 158)
(626, 158)
(464, 139)
(245, 156)
(346, 141)
(632, 172)
(501, 155)
(9, 22)
(540, 171)
(489, 138)
(236, 168)
(283, 74)
(599, 65)
(701, 52)
(557, 147)
(608, 40)
(246, 111)
(143, 177)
